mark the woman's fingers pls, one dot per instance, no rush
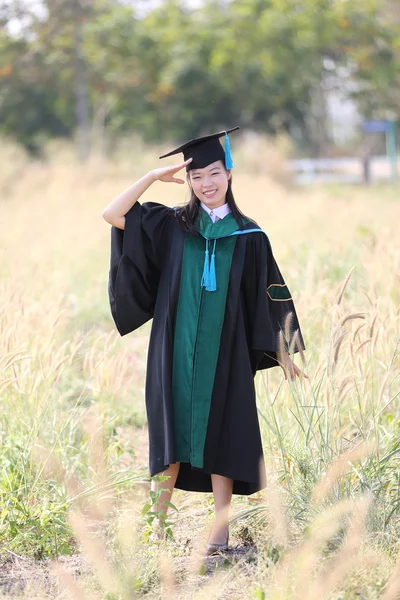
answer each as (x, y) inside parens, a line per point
(285, 370)
(175, 168)
(291, 370)
(300, 373)
(166, 173)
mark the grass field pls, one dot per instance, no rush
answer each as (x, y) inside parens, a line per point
(73, 454)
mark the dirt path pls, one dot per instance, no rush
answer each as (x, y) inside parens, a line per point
(22, 577)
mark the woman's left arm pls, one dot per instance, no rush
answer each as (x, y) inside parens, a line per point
(277, 292)
(276, 334)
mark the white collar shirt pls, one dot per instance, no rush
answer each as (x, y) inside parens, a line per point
(217, 213)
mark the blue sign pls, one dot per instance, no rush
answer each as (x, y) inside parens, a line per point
(382, 126)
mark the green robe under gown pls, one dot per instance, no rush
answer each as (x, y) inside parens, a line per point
(200, 316)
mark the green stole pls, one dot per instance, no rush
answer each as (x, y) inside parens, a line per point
(199, 321)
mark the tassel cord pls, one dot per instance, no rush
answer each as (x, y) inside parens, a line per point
(228, 155)
(212, 281)
(205, 280)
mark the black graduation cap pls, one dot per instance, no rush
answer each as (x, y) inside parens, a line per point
(206, 150)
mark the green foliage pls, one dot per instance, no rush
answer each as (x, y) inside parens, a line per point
(176, 71)
(158, 524)
(33, 515)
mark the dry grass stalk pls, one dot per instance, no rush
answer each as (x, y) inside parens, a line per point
(298, 346)
(337, 346)
(288, 327)
(360, 366)
(388, 403)
(357, 332)
(168, 583)
(368, 297)
(385, 385)
(76, 590)
(221, 585)
(352, 355)
(196, 559)
(7, 383)
(340, 565)
(302, 563)
(111, 370)
(363, 344)
(345, 386)
(345, 381)
(351, 316)
(94, 550)
(375, 339)
(93, 429)
(128, 530)
(392, 590)
(11, 359)
(372, 327)
(273, 500)
(344, 286)
(338, 468)
(48, 463)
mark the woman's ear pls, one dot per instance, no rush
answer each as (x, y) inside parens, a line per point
(229, 173)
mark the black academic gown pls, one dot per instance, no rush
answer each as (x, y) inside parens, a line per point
(144, 283)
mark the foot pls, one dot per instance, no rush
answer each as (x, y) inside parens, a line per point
(218, 540)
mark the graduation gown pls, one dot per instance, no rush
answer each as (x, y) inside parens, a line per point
(144, 283)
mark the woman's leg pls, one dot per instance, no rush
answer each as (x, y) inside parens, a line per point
(222, 490)
(168, 486)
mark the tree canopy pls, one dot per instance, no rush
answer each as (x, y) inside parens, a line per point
(179, 69)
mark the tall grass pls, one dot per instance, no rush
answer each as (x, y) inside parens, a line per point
(73, 473)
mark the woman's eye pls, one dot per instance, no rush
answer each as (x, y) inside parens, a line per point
(195, 178)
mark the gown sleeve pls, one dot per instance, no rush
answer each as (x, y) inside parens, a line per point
(137, 257)
(272, 318)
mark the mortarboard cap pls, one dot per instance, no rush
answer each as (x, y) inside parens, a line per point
(206, 150)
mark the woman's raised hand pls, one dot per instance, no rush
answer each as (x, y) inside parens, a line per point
(115, 212)
(167, 173)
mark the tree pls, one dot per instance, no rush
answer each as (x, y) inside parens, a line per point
(177, 69)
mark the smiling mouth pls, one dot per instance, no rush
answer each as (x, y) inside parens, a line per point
(210, 193)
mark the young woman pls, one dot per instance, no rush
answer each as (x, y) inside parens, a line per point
(221, 311)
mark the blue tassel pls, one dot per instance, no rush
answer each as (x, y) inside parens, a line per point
(212, 285)
(228, 156)
(205, 280)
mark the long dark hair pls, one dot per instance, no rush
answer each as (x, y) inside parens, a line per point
(189, 213)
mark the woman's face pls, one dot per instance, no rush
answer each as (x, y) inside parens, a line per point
(210, 184)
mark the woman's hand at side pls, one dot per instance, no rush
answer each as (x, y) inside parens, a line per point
(290, 370)
(115, 212)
